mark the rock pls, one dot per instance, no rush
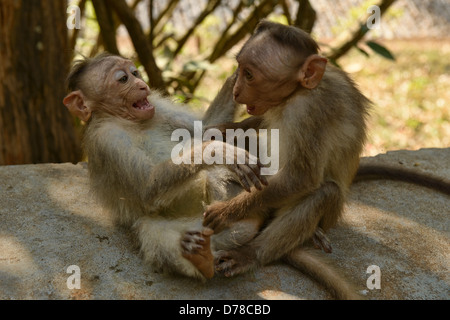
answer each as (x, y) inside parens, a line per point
(50, 222)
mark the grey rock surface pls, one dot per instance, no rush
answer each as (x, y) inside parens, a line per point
(49, 222)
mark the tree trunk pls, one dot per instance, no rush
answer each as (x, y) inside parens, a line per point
(35, 127)
(107, 28)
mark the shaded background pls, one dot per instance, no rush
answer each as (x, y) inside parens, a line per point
(186, 49)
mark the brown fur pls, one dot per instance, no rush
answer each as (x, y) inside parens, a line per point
(128, 144)
(321, 120)
(371, 172)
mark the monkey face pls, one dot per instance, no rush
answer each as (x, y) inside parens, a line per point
(264, 77)
(113, 86)
(270, 71)
(127, 92)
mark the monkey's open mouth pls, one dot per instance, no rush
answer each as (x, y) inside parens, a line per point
(250, 109)
(142, 105)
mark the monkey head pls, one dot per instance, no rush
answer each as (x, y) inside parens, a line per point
(108, 85)
(273, 64)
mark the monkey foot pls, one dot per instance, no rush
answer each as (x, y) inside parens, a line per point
(234, 262)
(321, 241)
(196, 248)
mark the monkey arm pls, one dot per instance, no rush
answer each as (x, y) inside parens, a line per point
(222, 108)
(253, 122)
(119, 155)
(143, 172)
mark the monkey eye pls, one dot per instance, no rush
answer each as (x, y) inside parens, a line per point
(135, 72)
(248, 75)
(121, 76)
(124, 79)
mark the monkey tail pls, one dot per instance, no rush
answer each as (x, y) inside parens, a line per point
(314, 264)
(371, 172)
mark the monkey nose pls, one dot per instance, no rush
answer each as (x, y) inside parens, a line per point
(146, 88)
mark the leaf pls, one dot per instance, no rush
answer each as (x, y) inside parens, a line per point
(364, 52)
(381, 50)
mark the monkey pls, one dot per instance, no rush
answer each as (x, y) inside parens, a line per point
(127, 141)
(321, 117)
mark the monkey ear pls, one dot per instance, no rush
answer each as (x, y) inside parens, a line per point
(76, 104)
(312, 71)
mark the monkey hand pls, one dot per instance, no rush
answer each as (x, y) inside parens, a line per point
(218, 216)
(249, 170)
(246, 166)
(237, 261)
(195, 247)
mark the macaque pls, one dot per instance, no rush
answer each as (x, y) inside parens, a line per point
(321, 117)
(128, 144)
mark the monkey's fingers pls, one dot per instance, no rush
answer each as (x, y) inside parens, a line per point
(194, 236)
(195, 241)
(263, 179)
(207, 232)
(206, 236)
(209, 221)
(214, 224)
(255, 165)
(224, 261)
(257, 170)
(241, 176)
(249, 172)
(189, 248)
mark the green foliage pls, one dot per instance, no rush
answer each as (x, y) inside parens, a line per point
(379, 49)
(183, 70)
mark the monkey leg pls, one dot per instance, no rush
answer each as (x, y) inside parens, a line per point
(290, 228)
(238, 234)
(293, 226)
(332, 208)
(160, 242)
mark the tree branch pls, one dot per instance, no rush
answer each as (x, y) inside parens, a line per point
(357, 35)
(143, 48)
(107, 27)
(166, 13)
(210, 7)
(226, 43)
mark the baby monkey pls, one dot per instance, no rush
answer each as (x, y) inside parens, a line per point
(128, 143)
(321, 118)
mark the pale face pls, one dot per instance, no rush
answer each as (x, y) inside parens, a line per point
(126, 92)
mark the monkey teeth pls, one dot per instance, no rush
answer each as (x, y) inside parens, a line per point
(142, 104)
